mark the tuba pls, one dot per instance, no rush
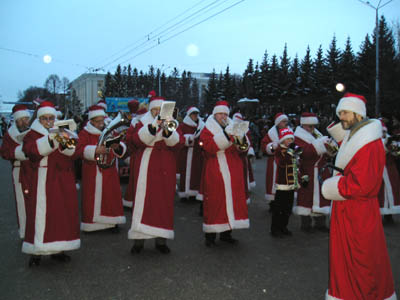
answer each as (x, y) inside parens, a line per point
(108, 137)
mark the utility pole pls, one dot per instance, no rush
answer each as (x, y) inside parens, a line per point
(377, 98)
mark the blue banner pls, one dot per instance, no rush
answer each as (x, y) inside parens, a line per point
(116, 104)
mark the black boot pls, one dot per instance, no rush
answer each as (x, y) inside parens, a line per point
(34, 260)
(320, 224)
(388, 219)
(226, 236)
(306, 224)
(61, 257)
(161, 245)
(275, 225)
(210, 239)
(115, 229)
(137, 246)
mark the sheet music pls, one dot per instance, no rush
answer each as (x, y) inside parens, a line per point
(167, 110)
(240, 128)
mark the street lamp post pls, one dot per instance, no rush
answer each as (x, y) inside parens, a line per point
(377, 98)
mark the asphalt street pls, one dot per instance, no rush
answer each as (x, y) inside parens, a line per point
(259, 267)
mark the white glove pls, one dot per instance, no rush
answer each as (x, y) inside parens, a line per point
(229, 129)
(323, 139)
(52, 136)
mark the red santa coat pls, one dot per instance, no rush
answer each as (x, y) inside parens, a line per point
(127, 201)
(190, 159)
(11, 150)
(154, 180)
(101, 193)
(358, 258)
(52, 219)
(224, 197)
(389, 194)
(267, 142)
(313, 159)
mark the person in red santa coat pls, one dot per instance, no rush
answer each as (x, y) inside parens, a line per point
(101, 193)
(224, 195)
(154, 179)
(127, 201)
(11, 150)
(310, 202)
(190, 160)
(268, 145)
(359, 265)
(247, 165)
(52, 219)
(389, 194)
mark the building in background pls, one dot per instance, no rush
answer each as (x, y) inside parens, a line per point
(87, 87)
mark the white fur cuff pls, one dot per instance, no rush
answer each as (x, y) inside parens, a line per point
(337, 132)
(43, 146)
(319, 145)
(89, 152)
(221, 141)
(330, 188)
(145, 136)
(172, 140)
(19, 154)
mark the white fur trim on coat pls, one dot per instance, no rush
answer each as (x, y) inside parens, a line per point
(19, 154)
(330, 189)
(43, 146)
(172, 140)
(88, 227)
(89, 152)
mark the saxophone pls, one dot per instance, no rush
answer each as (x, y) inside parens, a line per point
(105, 161)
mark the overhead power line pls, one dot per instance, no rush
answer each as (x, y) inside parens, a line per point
(161, 41)
(146, 37)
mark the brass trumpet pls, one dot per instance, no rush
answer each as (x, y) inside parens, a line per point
(241, 143)
(64, 133)
(169, 125)
(331, 146)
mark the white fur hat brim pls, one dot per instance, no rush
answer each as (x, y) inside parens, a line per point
(221, 109)
(353, 104)
(155, 103)
(280, 119)
(47, 110)
(21, 114)
(309, 121)
(96, 113)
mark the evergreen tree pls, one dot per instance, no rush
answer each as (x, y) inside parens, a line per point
(76, 104)
(248, 80)
(347, 67)
(306, 76)
(365, 69)
(135, 78)
(211, 93)
(228, 88)
(264, 78)
(130, 89)
(171, 91)
(194, 93)
(182, 99)
(118, 82)
(294, 78)
(109, 87)
(332, 59)
(283, 75)
(274, 80)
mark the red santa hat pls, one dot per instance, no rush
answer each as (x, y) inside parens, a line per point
(151, 94)
(156, 102)
(102, 103)
(221, 107)
(279, 117)
(354, 103)
(308, 118)
(191, 110)
(20, 111)
(285, 133)
(237, 116)
(46, 108)
(95, 111)
(133, 106)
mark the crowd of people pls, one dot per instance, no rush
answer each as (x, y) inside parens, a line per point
(350, 176)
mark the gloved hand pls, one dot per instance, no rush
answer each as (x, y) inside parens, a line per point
(304, 181)
(229, 129)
